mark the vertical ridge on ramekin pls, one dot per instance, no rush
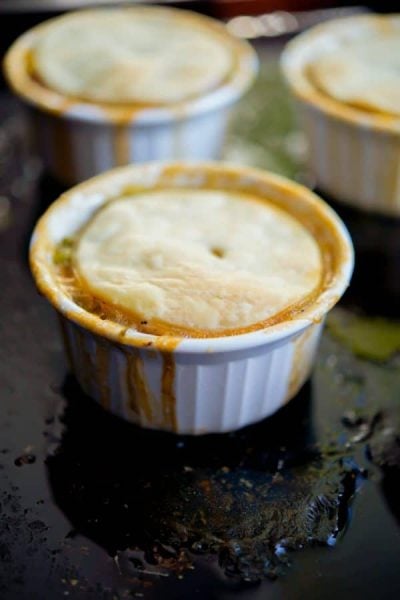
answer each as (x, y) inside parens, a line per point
(243, 387)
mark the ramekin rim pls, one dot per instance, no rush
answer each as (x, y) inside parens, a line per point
(40, 266)
(307, 93)
(237, 83)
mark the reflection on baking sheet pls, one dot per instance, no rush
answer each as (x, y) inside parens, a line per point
(155, 501)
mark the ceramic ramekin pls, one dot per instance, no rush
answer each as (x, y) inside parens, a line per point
(79, 139)
(354, 154)
(191, 385)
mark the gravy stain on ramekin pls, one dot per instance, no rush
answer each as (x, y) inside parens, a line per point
(141, 400)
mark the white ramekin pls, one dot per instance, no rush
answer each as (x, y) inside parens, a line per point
(190, 385)
(354, 154)
(79, 139)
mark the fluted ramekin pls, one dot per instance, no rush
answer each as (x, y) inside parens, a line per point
(354, 154)
(78, 139)
(191, 385)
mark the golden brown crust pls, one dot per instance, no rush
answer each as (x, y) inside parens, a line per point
(152, 255)
(150, 57)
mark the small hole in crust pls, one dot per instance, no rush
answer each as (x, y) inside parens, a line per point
(217, 251)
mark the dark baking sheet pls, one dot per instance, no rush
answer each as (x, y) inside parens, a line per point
(305, 504)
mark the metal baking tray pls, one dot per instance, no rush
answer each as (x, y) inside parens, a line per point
(302, 505)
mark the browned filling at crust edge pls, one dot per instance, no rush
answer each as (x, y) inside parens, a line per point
(69, 281)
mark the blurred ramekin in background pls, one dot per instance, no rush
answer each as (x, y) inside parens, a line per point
(79, 139)
(354, 153)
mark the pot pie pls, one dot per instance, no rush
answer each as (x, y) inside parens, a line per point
(191, 295)
(194, 261)
(122, 59)
(344, 75)
(110, 87)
